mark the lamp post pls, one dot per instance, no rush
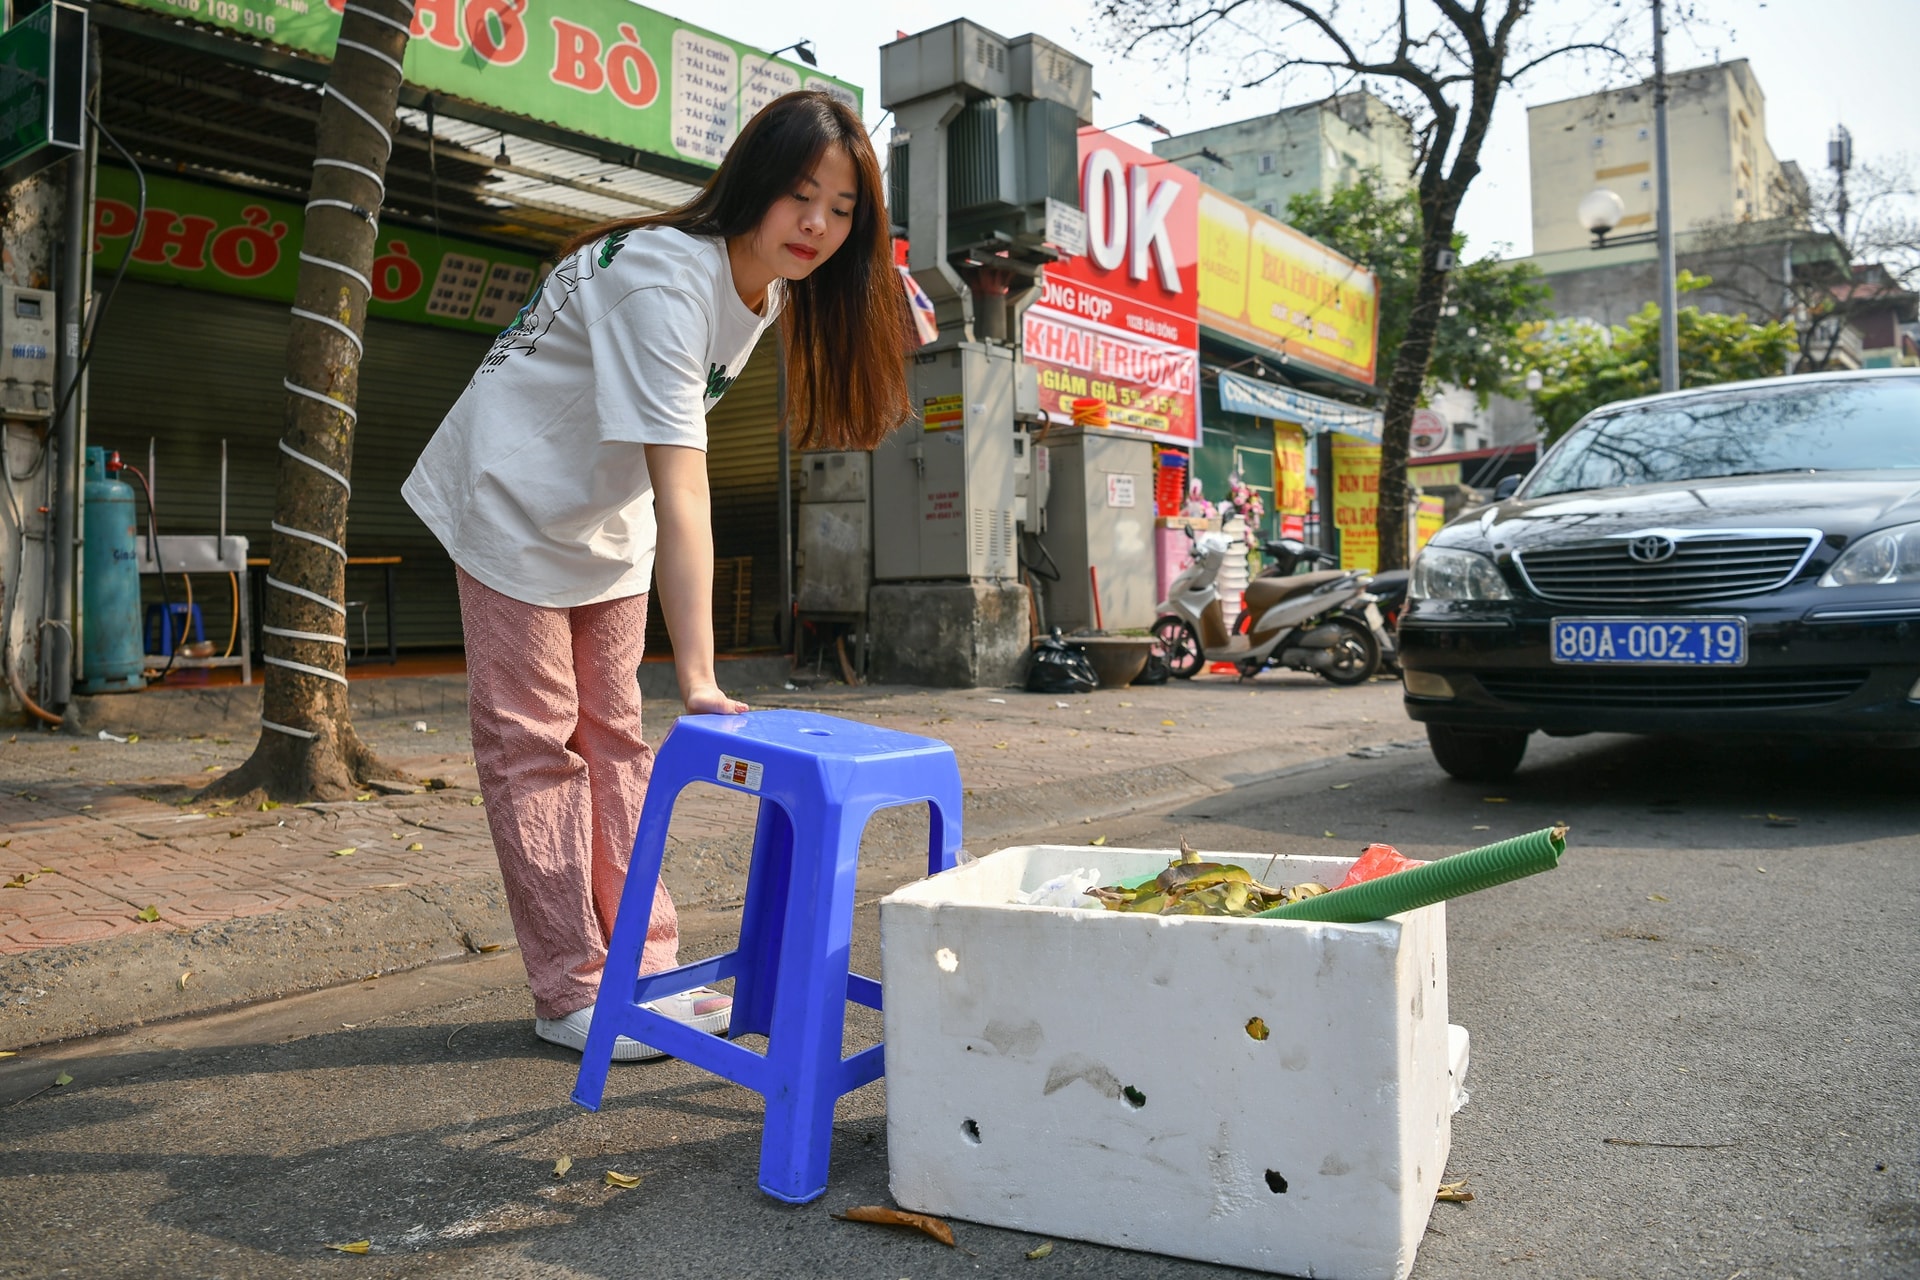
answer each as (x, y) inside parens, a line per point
(1600, 212)
(1663, 217)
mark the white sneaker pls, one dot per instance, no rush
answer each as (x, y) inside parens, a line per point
(702, 1009)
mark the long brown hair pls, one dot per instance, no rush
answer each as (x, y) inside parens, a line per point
(846, 324)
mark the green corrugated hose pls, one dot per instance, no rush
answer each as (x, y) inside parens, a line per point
(1416, 887)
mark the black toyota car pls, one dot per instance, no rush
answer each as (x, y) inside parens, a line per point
(1732, 559)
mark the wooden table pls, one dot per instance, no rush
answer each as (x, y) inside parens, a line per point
(386, 563)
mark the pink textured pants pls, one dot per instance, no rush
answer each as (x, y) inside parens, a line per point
(555, 703)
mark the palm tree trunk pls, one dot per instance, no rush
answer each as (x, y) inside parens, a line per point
(308, 749)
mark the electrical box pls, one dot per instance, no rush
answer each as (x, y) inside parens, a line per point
(1099, 516)
(834, 551)
(27, 349)
(944, 484)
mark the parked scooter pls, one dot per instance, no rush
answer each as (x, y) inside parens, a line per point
(1297, 621)
(1386, 594)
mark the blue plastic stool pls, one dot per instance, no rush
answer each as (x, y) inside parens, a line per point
(165, 626)
(819, 779)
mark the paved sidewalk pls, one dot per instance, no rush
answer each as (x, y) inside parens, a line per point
(126, 899)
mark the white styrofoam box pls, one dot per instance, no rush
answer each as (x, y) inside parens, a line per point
(1091, 1074)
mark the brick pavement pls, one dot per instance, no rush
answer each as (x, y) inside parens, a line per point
(95, 835)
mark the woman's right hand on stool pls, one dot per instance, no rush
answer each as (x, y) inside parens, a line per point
(709, 699)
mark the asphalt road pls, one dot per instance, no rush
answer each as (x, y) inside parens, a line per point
(1696, 1053)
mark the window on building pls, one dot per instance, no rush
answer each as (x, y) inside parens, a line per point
(1269, 208)
(1266, 162)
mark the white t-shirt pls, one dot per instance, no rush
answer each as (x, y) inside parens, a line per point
(537, 481)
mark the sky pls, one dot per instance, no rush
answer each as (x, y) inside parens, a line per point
(1819, 62)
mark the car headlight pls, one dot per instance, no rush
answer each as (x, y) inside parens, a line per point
(1441, 574)
(1880, 559)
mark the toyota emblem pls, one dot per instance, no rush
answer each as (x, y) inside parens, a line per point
(1651, 549)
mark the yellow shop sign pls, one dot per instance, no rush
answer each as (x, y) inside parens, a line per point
(1267, 285)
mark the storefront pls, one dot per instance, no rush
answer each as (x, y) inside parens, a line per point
(490, 174)
(1278, 304)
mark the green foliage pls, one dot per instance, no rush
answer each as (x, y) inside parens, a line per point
(1488, 302)
(1584, 365)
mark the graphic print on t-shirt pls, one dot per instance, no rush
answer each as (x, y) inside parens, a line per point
(718, 381)
(524, 334)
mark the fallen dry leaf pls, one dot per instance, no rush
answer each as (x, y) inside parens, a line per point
(1167, 722)
(347, 852)
(148, 914)
(1257, 1028)
(415, 847)
(1453, 1192)
(7, 1053)
(625, 1181)
(476, 800)
(900, 1218)
(1481, 826)
(183, 979)
(1656, 897)
(22, 880)
(561, 1166)
(357, 1246)
(1329, 835)
(1339, 786)
(1098, 840)
(1034, 1255)
(267, 806)
(62, 1080)
(364, 795)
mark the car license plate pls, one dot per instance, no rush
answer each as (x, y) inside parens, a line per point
(1656, 642)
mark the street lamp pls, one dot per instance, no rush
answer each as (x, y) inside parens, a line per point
(1600, 211)
(1148, 121)
(803, 48)
(1204, 153)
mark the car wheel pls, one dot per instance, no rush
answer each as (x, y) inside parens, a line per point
(1356, 658)
(1182, 645)
(1477, 755)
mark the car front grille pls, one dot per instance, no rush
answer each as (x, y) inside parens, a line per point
(1675, 690)
(1713, 567)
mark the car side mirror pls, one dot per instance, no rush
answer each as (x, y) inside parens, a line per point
(1505, 489)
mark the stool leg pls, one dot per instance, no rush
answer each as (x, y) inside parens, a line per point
(762, 922)
(945, 810)
(618, 979)
(809, 1022)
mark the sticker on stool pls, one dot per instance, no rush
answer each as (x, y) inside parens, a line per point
(741, 773)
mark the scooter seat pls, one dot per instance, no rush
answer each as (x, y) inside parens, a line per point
(1264, 593)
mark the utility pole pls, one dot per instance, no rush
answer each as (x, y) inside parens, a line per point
(1663, 225)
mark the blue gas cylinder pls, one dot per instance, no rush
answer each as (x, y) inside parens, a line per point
(112, 654)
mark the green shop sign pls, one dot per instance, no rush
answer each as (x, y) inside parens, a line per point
(43, 64)
(231, 242)
(605, 68)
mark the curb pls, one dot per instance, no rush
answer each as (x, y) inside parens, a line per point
(88, 989)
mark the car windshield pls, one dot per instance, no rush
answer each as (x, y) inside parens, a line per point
(1869, 424)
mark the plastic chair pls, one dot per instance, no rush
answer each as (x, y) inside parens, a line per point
(166, 626)
(819, 779)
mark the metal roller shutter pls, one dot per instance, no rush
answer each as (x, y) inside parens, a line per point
(187, 369)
